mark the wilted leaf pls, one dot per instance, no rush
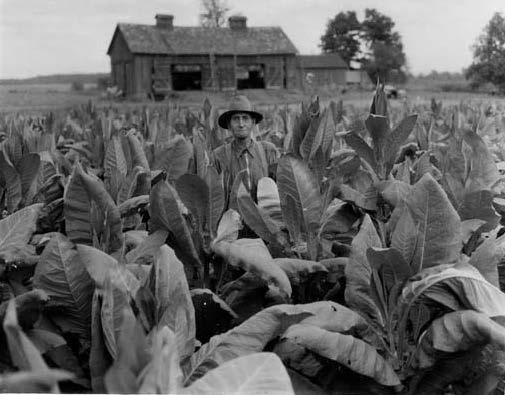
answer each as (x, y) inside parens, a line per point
(296, 269)
(250, 337)
(346, 350)
(32, 382)
(487, 257)
(461, 330)
(252, 255)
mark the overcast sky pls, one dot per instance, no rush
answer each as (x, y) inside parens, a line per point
(39, 37)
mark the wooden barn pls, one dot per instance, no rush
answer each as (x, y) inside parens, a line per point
(156, 59)
(322, 70)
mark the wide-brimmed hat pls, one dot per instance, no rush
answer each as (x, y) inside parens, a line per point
(239, 103)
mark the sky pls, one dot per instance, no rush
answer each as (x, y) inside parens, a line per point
(41, 37)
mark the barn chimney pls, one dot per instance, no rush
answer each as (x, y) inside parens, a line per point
(237, 22)
(165, 21)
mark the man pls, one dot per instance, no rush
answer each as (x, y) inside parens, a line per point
(243, 155)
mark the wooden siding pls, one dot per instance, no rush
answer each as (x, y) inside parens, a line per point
(140, 74)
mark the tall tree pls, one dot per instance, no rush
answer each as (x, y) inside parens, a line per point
(489, 55)
(214, 13)
(342, 36)
(384, 58)
(374, 43)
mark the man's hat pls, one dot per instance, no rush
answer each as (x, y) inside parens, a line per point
(238, 104)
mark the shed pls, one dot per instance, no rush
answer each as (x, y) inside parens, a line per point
(156, 59)
(322, 70)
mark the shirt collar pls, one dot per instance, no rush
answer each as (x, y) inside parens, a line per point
(249, 148)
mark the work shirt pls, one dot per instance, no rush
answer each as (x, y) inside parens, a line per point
(254, 160)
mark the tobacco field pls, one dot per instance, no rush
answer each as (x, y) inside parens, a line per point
(372, 264)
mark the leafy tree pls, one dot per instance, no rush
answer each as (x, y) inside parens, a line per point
(342, 36)
(372, 42)
(489, 55)
(214, 13)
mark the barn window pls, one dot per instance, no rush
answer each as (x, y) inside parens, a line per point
(251, 76)
(186, 77)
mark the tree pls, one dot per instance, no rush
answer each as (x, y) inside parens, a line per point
(214, 13)
(384, 59)
(489, 55)
(373, 43)
(342, 36)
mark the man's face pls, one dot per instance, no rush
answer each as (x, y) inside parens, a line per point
(241, 125)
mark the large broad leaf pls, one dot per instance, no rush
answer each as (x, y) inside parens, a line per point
(295, 179)
(487, 257)
(479, 205)
(250, 337)
(194, 193)
(228, 228)
(33, 382)
(115, 160)
(137, 153)
(405, 235)
(252, 255)
(17, 228)
(346, 350)
(63, 276)
(256, 373)
(216, 198)
(13, 193)
(23, 352)
(439, 226)
(163, 374)
(175, 157)
(147, 249)
(103, 268)
(133, 356)
(358, 272)
(461, 330)
(174, 307)
(269, 200)
(166, 214)
(82, 190)
(255, 217)
(359, 145)
(483, 172)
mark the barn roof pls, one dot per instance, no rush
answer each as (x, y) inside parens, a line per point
(189, 40)
(325, 61)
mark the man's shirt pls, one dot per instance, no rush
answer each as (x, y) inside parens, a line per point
(253, 160)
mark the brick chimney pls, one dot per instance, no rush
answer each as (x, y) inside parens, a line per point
(165, 21)
(237, 22)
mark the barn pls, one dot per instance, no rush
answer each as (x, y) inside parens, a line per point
(322, 70)
(160, 58)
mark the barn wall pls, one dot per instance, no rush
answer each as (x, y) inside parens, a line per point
(323, 76)
(143, 65)
(121, 63)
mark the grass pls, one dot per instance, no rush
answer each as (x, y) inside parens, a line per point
(38, 98)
